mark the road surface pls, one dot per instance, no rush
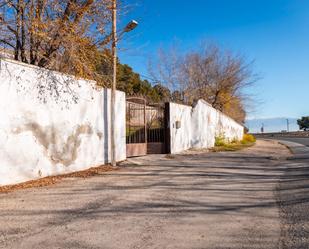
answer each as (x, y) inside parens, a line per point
(300, 140)
(249, 199)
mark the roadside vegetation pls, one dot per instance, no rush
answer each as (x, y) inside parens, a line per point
(303, 123)
(73, 37)
(207, 72)
(221, 144)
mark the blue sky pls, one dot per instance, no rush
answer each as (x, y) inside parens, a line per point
(273, 33)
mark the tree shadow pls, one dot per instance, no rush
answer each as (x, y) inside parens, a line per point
(171, 190)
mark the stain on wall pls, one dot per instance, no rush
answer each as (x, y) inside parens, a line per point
(100, 135)
(57, 149)
(51, 137)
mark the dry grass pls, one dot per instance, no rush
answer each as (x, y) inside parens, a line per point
(221, 144)
(50, 180)
(231, 147)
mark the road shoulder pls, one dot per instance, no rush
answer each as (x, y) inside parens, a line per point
(299, 151)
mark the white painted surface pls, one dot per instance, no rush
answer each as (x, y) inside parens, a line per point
(181, 137)
(199, 127)
(48, 136)
(204, 121)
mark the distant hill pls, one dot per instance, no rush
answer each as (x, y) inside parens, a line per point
(271, 124)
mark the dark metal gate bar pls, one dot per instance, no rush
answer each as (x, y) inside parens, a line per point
(155, 129)
(147, 128)
(167, 128)
(136, 138)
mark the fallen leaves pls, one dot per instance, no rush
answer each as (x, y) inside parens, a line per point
(51, 180)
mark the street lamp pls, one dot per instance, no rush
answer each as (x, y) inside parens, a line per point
(129, 27)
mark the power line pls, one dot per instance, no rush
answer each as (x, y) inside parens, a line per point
(151, 78)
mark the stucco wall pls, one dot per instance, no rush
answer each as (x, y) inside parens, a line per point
(204, 122)
(181, 137)
(52, 123)
(229, 128)
(199, 126)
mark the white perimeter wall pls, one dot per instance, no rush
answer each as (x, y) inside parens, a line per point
(199, 126)
(48, 136)
(180, 138)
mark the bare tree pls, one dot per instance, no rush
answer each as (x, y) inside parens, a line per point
(217, 76)
(166, 71)
(64, 35)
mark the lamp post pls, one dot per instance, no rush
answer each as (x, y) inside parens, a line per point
(129, 27)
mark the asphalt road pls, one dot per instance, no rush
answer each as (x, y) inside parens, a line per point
(240, 200)
(300, 140)
(293, 200)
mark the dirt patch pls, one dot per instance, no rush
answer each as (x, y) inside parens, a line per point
(268, 148)
(50, 180)
(170, 156)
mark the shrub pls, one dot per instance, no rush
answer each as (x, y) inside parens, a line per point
(234, 141)
(220, 140)
(248, 138)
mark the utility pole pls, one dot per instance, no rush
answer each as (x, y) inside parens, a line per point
(113, 91)
(288, 125)
(129, 27)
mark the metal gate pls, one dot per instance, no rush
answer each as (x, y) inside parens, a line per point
(136, 137)
(146, 128)
(156, 129)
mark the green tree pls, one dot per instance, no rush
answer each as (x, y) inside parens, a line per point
(132, 84)
(129, 81)
(303, 123)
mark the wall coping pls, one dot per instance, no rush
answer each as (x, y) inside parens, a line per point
(22, 64)
(206, 103)
(43, 69)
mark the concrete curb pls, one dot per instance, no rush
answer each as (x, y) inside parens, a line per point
(299, 151)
